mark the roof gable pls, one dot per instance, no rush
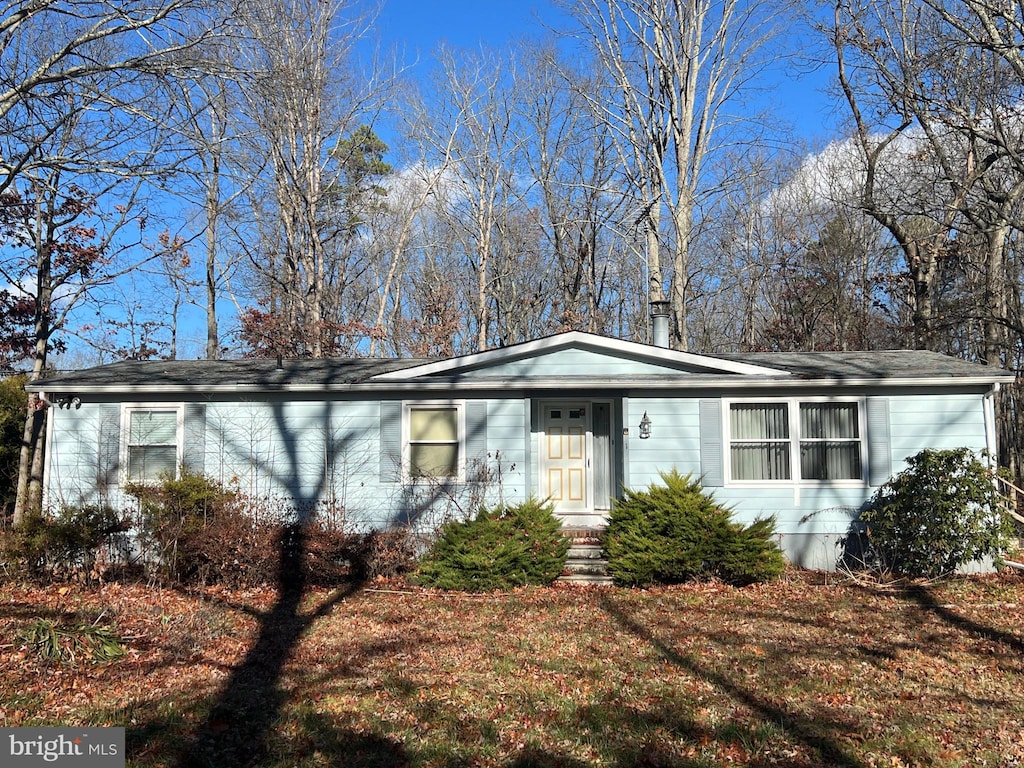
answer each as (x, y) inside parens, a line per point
(578, 354)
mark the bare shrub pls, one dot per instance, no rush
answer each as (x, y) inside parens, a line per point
(382, 554)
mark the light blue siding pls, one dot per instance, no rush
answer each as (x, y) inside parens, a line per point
(813, 520)
(275, 450)
(304, 457)
(73, 445)
(507, 449)
(326, 457)
(674, 440)
(571, 362)
(935, 421)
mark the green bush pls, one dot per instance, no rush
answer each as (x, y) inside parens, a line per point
(501, 548)
(937, 515)
(675, 532)
(62, 546)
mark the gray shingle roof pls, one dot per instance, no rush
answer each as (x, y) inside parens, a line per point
(883, 364)
(221, 373)
(265, 374)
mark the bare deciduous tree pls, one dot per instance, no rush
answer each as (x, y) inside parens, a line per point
(672, 68)
(303, 97)
(79, 138)
(934, 92)
(53, 49)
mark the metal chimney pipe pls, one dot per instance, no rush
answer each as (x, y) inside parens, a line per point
(660, 313)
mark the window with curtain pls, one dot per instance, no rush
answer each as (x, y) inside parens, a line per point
(760, 447)
(829, 441)
(433, 442)
(791, 440)
(152, 444)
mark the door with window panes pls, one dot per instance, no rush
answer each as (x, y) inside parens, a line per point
(564, 454)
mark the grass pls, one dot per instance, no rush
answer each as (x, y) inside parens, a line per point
(791, 674)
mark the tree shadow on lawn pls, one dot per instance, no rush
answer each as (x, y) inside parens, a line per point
(926, 599)
(813, 734)
(243, 716)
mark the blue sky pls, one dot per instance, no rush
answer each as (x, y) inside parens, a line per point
(462, 23)
(797, 96)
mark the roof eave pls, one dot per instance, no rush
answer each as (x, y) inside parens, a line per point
(688, 382)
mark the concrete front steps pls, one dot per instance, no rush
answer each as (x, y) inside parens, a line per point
(586, 562)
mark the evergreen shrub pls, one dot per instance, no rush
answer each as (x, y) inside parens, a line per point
(676, 532)
(13, 400)
(65, 545)
(500, 548)
(940, 513)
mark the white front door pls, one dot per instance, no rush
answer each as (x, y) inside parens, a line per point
(565, 456)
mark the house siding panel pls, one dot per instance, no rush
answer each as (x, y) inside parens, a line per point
(353, 466)
(74, 476)
(506, 450)
(813, 520)
(571, 362)
(343, 457)
(938, 421)
(674, 440)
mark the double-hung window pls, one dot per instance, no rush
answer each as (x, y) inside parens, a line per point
(152, 442)
(760, 446)
(790, 440)
(830, 444)
(434, 441)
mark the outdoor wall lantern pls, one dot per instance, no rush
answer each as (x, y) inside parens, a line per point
(645, 427)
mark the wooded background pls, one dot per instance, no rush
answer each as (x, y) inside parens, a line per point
(318, 196)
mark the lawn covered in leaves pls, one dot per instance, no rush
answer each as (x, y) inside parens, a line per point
(801, 672)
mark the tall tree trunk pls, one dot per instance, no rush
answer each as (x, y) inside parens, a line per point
(30, 457)
(212, 221)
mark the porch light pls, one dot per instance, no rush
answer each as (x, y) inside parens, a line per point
(645, 427)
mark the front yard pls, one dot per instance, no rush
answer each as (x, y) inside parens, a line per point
(802, 672)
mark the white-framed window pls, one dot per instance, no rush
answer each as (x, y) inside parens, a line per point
(151, 439)
(434, 441)
(795, 440)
